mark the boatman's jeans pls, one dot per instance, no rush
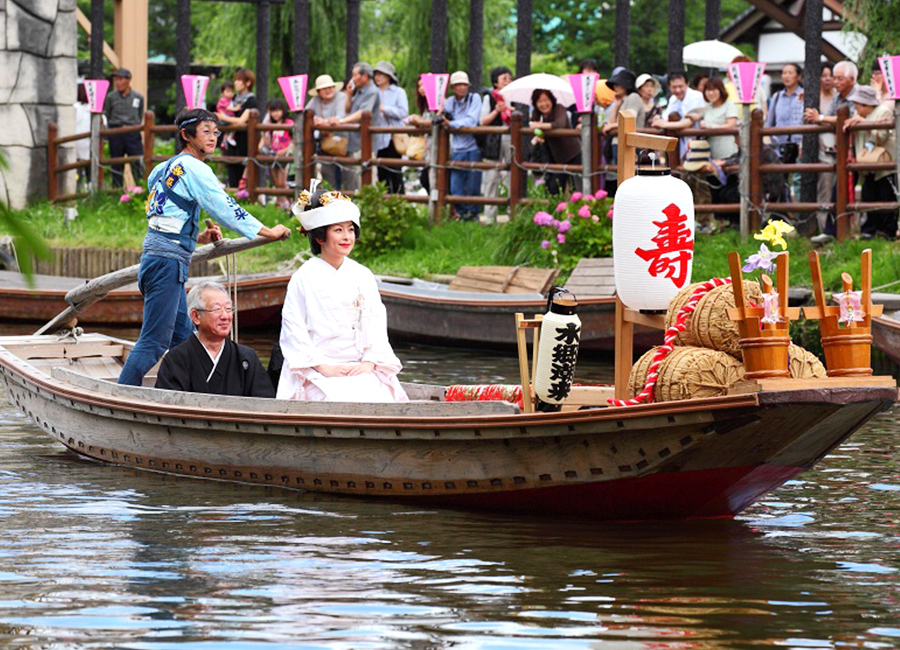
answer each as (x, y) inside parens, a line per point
(166, 321)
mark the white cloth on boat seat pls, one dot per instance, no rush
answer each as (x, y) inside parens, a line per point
(335, 316)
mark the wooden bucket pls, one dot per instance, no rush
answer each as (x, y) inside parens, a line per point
(765, 356)
(850, 354)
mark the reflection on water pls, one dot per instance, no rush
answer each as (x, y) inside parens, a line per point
(95, 556)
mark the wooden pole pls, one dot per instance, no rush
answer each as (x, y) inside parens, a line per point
(675, 54)
(756, 191)
(744, 178)
(515, 176)
(182, 54)
(149, 141)
(842, 144)
(252, 152)
(365, 147)
(624, 329)
(299, 149)
(586, 151)
(443, 174)
(307, 169)
(713, 19)
(52, 162)
(96, 39)
(95, 152)
(434, 145)
(595, 154)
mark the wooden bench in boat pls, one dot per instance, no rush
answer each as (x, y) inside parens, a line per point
(503, 279)
(592, 277)
(424, 402)
(101, 359)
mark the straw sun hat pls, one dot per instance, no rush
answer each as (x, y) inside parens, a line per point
(325, 81)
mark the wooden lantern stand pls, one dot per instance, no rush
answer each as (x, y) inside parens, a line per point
(764, 346)
(629, 142)
(848, 350)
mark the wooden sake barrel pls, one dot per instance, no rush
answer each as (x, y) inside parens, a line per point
(688, 372)
(803, 364)
(709, 325)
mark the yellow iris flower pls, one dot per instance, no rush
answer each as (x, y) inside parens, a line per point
(773, 233)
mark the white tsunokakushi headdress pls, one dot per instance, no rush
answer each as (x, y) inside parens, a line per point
(334, 208)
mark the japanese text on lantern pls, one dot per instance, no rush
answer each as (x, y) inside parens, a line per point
(674, 247)
(562, 366)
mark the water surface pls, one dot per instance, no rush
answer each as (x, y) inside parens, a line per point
(97, 556)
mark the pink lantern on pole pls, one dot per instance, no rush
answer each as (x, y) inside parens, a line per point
(890, 69)
(95, 89)
(583, 85)
(294, 89)
(746, 78)
(194, 86)
(435, 85)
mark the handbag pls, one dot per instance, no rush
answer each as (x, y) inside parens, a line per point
(401, 142)
(415, 150)
(333, 145)
(873, 155)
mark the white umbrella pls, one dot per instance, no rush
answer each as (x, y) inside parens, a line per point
(710, 54)
(521, 89)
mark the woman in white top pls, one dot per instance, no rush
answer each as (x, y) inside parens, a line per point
(719, 112)
(334, 325)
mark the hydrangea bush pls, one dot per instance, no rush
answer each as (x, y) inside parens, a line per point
(577, 228)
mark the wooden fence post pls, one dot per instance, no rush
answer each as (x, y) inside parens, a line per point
(252, 152)
(365, 151)
(443, 174)
(756, 147)
(52, 161)
(149, 142)
(842, 176)
(596, 154)
(308, 163)
(515, 176)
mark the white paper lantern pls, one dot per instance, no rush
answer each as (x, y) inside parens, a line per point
(653, 239)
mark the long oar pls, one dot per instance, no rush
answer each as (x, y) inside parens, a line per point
(82, 297)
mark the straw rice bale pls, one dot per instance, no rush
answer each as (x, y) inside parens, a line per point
(803, 364)
(709, 325)
(687, 372)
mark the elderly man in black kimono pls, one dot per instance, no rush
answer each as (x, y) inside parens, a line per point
(208, 362)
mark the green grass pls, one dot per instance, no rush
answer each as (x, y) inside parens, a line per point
(425, 251)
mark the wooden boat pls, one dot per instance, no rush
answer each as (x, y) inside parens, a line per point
(259, 298)
(697, 458)
(886, 334)
(419, 310)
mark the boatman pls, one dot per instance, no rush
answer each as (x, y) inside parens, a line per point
(208, 362)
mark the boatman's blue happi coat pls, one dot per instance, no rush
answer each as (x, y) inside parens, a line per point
(179, 188)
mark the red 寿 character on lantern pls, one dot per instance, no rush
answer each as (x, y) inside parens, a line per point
(674, 247)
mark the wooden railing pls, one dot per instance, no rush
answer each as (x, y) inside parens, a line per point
(589, 172)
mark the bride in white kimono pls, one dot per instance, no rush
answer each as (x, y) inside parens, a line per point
(334, 325)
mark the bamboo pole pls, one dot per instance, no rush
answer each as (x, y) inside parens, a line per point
(95, 290)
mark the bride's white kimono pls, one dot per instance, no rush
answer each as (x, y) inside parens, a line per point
(335, 316)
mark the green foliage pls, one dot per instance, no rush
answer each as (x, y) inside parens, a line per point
(575, 29)
(29, 244)
(877, 19)
(385, 221)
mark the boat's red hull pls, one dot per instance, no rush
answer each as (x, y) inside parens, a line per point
(700, 494)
